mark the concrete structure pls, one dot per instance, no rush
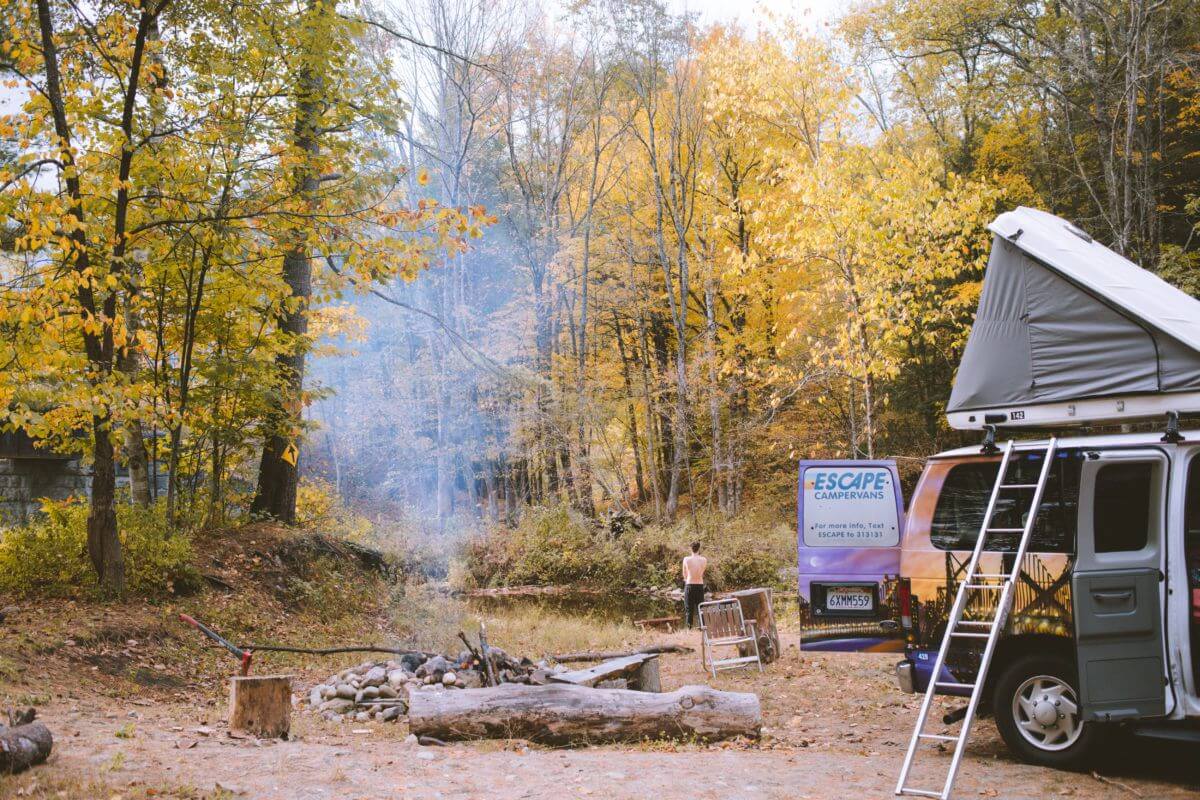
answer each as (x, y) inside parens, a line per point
(28, 474)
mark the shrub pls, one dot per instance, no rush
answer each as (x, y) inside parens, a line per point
(330, 588)
(555, 546)
(48, 556)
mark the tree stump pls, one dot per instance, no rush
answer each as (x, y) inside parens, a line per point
(261, 705)
(648, 678)
(564, 713)
(756, 605)
(23, 746)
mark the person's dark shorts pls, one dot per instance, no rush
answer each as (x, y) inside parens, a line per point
(693, 596)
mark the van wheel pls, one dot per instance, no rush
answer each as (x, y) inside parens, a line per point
(1036, 706)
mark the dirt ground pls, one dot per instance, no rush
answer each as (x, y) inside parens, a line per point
(835, 727)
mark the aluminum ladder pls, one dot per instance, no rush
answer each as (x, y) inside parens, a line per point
(988, 630)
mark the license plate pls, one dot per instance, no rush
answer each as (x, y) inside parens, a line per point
(849, 598)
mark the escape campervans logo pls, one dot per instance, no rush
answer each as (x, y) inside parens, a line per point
(849, 506)
(853, 485)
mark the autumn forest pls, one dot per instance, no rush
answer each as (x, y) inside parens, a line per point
(462, 260)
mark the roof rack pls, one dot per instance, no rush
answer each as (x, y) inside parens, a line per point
(1148, 408)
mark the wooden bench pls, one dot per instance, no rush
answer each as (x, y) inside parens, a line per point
(640, 671)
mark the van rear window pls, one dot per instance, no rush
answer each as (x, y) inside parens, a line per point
(964, 497)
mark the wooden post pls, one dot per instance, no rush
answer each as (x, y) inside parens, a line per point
(261, 705)
(648, 678)
(756, 605)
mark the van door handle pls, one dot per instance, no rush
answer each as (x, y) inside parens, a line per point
(1112, 597)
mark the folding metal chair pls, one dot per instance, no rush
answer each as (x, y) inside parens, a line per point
(722, 625)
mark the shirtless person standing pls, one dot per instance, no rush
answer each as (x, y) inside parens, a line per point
(693, 580)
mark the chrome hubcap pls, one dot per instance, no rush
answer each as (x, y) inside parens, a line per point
(1047, 712)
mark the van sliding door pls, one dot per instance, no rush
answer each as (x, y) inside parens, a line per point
(1117, 585)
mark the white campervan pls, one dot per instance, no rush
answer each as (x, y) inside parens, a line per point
(1053, 579)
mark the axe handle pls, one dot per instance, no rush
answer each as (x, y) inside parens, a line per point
(246, 656)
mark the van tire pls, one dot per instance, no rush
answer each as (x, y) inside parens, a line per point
(1024, 674)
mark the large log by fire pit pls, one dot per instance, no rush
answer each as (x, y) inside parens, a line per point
(24, 745)
(558, 714)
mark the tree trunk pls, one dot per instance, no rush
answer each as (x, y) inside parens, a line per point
(278, 470)
(104, 546)
(24, 746)
(557, 714)
(717, 482)
(136, 458)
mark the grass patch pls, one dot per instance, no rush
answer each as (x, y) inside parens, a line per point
(534, 632)
(428, 620)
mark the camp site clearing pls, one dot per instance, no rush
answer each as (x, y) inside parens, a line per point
(835, 726)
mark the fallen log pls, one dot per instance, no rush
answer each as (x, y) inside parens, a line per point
(640, 672)
(24, 746)
(563, 713)
(605, 655)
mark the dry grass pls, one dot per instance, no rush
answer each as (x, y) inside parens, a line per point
(531, 631)
(428, 620)
(39, 785)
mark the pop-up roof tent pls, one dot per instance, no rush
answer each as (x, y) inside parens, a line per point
(1069, 332)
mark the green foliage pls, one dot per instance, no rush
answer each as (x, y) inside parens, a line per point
(554, 546)
(48, 556)
(329, 588)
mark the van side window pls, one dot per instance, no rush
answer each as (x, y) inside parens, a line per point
(1191, 545)
(1122, 507)
(963, 501)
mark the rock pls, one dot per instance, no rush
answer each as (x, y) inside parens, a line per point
(374, 676)
(344, 691)
(315, 697)
(428, 679)
(449, 678)
(470, 679)
(369, 693)
(386, 690)
(358, 696)
(362, 716)
(391, 714)
(397, 677)
(411, 740)
(436, 666)
(328, 692)
(337, 705)
(411, 661)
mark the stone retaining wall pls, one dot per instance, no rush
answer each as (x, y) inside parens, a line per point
(25, 481)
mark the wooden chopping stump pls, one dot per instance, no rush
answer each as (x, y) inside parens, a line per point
(756, 605)
(261, 705)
